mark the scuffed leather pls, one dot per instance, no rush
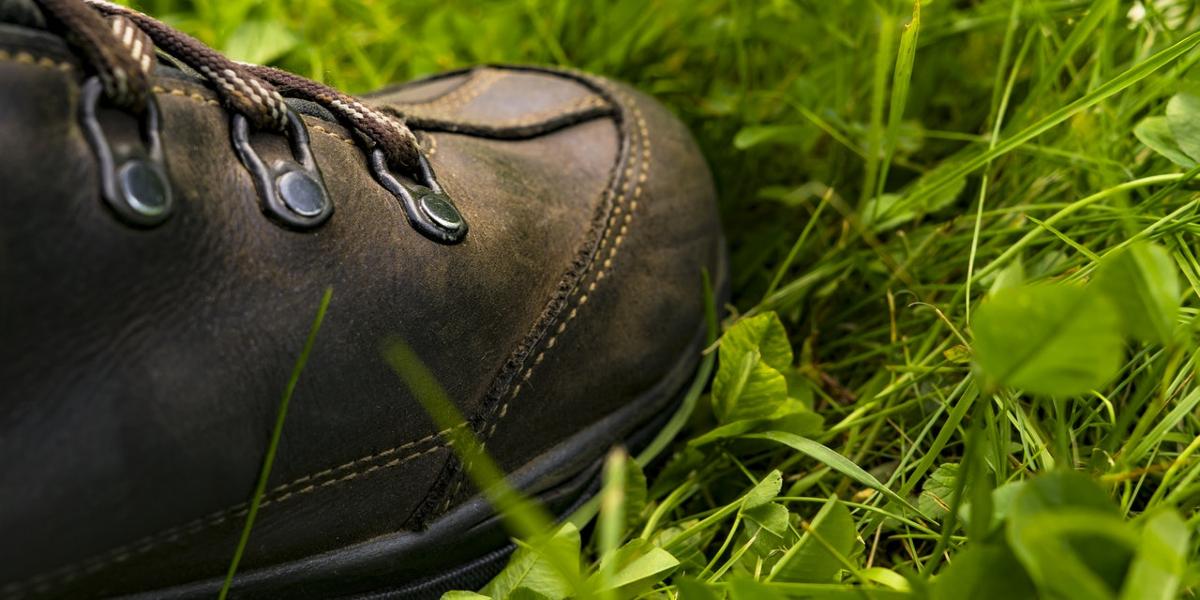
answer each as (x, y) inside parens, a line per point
(141, 368)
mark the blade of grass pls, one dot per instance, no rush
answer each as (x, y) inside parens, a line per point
(264, 473)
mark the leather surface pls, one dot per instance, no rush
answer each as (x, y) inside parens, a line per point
(141, 368)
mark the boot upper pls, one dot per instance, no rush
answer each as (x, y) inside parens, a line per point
(142, 366)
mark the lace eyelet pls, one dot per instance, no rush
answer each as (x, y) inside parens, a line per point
(133, 178)
(291, 192)
(429, 210)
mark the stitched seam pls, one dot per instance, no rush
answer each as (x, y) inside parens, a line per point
(477, 83)
(332, 134)
(606, 266)
(27, 58)
(63, 575)
(642, 139)
(579, 105)
(433, 145)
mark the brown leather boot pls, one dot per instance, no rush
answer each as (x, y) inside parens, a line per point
(537, 236)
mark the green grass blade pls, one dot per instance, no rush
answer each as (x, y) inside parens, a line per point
(264, 473)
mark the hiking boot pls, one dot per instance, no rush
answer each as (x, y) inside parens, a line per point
(171, 222)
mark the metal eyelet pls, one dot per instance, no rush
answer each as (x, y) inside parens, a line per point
(429, 210)
(133, 177)
(292, 192)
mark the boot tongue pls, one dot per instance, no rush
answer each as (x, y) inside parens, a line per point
(21, 12)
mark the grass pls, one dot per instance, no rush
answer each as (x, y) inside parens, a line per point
(915, 202)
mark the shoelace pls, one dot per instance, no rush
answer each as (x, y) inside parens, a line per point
(119, 44)
(123, 56)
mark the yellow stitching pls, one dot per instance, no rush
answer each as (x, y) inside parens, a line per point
(193, 96)
(433, 145)
(122, 553)
(477, 82)
(579, 105)
(642, 136)
(644, 139)
(332, 134)
(26, 58)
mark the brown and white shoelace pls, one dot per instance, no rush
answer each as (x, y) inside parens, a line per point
(119, 44)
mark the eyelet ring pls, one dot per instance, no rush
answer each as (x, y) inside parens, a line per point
(133, 178)
(429, 210)
(292, 192)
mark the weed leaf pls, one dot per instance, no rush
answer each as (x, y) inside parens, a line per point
(984, 572)
(789, 135)
(748, 589)
(1183, 116)
(530, 570)
(1161, 560)
(764, 491)
(770, 527)
(749, 381)
(635, 567)
(1069, 536)
(810, 560)
(691, 589)
(937, 495)
(1144, 285)
(1048, 339)
(464, 595)
(1155, 133)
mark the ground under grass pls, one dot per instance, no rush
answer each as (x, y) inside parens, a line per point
(960, 360)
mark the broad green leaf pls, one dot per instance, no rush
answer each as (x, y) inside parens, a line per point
(748, 589)
(1143, 283)
(462, 595)
(937, 494)
(764, 491)
(763, 332)
(1060, 489)
(1069, 536)
(746, 387)
(651, 567)
(1161, 560)
(260, 42)
(690, 552)
(529, 569)
(794, 417)
(984, 572)
(1002, 502)
(889, 211)
(1183, 115)
(728, 430)
(837, 462)
(800, 389)
(1011, 276)
(1048, 339)
(1155, 133)
(749, 382)
(690, 589)
(886, 577)
(1075, 553)
(790, 416)
(957, 354)
(811, 561)
(635, 566)
(885, 212)
(790, 135)
(769, 526)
